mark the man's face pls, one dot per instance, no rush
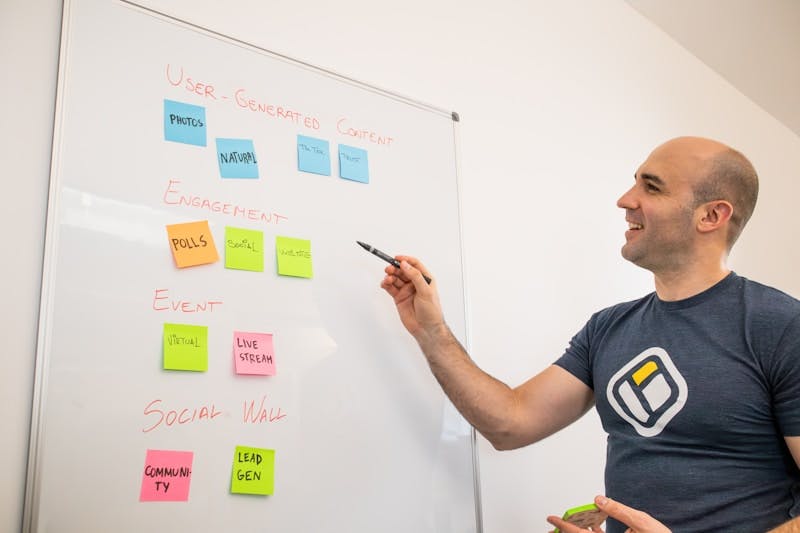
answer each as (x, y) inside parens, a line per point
(659, 210)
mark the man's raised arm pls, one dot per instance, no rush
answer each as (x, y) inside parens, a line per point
(508, 417)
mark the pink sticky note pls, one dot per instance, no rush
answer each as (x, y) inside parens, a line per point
(166, 477)
(253, 353)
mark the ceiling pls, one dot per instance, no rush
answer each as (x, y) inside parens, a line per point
(754, 44)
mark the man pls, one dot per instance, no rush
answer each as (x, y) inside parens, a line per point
(697, 384)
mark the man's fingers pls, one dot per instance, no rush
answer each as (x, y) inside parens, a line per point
(621, 512)
(414, 274)
(416, 263)
(394, 281)
(392, 270)
(635, 519)
(398, 288)
(564, 526)
(388, 284)
(396, 272)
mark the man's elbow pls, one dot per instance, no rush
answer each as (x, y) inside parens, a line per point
(505, 441)
(504, 445)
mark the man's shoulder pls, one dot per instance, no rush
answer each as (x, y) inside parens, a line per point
(766, 298)
(764, 310)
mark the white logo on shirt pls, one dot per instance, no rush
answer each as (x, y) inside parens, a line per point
(648, 391)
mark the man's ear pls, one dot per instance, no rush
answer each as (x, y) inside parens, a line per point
(714, 215)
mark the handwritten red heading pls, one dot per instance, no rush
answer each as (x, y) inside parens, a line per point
(246, 100)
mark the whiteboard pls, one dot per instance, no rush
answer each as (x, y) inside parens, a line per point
(363, 438)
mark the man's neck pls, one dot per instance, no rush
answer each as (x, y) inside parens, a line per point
(673, 286)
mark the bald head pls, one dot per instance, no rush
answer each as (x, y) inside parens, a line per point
(717, 172)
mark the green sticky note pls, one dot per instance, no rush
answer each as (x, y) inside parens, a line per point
(185, 347)
(253, 471)
(244, 249)
(294, 257)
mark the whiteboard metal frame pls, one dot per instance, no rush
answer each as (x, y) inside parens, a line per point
(33, 474)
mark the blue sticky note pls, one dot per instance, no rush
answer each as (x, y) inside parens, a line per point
(237, 158)
(353, 164)
(313, 155)
(184, 123)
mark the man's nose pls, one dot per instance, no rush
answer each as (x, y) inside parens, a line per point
(627, 200)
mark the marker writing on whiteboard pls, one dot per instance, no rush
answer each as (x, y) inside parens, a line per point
(387, 258)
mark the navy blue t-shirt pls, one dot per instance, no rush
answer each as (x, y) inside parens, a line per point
(696, 396)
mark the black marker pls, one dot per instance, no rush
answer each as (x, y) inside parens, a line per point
(388, 259)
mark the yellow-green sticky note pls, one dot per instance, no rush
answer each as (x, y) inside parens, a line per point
(253, 471)
(185, 347)
(294, 257)
(244, 249)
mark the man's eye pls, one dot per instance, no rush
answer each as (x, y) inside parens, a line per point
(650, 187)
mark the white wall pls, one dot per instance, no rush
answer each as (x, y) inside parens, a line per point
(560, 102)
(29, 33)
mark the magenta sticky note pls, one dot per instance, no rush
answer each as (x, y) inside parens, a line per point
(167, 475)
(254, 353)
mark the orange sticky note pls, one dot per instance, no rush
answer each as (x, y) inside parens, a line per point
(191, 244)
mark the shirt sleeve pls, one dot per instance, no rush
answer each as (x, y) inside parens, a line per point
(576, 358)
(785, 380)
